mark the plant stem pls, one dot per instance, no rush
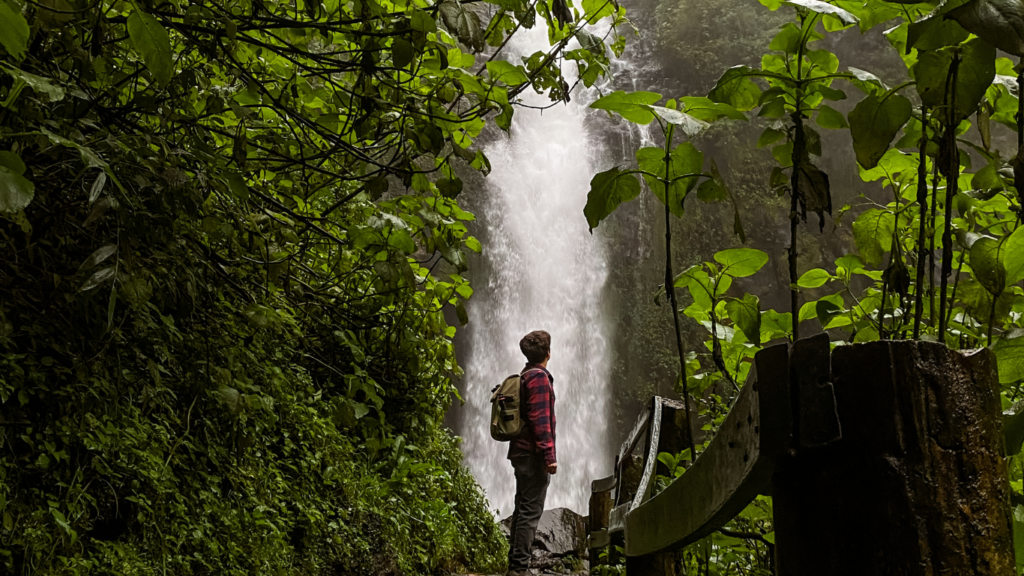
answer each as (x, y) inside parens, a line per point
(799, 147)
(670, 289)
(931, 245)
(1018, 173)
(922, 203)
(952, 173)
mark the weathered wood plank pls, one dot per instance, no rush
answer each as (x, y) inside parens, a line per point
(736, 466)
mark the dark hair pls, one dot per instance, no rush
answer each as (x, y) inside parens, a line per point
(536, 346)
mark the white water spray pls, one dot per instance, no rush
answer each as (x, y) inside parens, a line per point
(546, 273)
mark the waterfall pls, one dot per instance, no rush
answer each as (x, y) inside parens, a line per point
(545, 272)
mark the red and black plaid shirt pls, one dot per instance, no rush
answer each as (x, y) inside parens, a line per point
(538, 400)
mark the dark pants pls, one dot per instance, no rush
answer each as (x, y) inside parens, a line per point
(531, 488)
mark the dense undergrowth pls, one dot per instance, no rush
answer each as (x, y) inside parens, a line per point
(231, 248)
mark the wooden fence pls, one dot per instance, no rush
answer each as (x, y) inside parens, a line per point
(882, 458)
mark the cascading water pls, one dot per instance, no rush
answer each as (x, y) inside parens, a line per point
(546, 273)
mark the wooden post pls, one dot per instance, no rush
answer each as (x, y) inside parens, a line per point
(600, 508)
(911, 482)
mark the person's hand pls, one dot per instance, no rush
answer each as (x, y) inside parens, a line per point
(552, 468)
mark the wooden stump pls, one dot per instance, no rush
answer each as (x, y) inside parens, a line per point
(911, 481)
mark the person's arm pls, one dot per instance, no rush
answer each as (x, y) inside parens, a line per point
(539, 415)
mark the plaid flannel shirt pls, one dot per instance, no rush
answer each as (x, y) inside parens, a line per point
(538, 401)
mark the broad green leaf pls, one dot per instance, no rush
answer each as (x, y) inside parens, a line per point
(1013, 256)
(986, 262)
(872, 233)
(401, 52)
(14, 30)
(741, 262)
(867, 82)
(828, 308)
(98, 278)
(790, 38)
(775, 325)
(38, 84)
(824, 8)
(685, 159)
(506, 72)
(703, 108)
(829, 117)
(934, 33)
(607, 190)
(152, 43)
(874, 122)
(690, 126)
(998, 22)
(974, 75)
(770, 136)
(12, 162)
(101, 254)
(16, 191)
(1013, 433)
(745, 312)
(813, 278)
(633, 106)
(1009, 352)
(462, 23)
(598, 9)
(736, 89)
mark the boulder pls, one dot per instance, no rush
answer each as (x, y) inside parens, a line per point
(561, 532)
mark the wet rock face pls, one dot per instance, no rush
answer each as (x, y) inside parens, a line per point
(560, 533)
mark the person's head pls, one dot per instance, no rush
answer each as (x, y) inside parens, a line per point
(536, 346)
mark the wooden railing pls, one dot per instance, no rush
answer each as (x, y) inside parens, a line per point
(785, 432)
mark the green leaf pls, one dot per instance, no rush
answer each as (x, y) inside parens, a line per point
(746, 314)
(101, 254)
(987, 264)
(1009, 352)
(741, 262)
(690, 126)
(12, 162)
(933, 33)
(685, 159)
(770, 136)
(825, 8)
(813, 278)
(998, 22)
(736, 89)
(703, 108)
(16, 191)
(874, 122)
(867, 82)
(462, 23)
(607, 190)
(1013, 256)
(975, 74)
(98, 278)
(828, 308)
(829, 117)
(152, 43)
(402, 52)
(38, 84)
(507, 72)
(872, 233)
(14, 30)
(1013, 433)
(633, 106)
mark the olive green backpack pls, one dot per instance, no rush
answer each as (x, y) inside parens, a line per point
(506, 421)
